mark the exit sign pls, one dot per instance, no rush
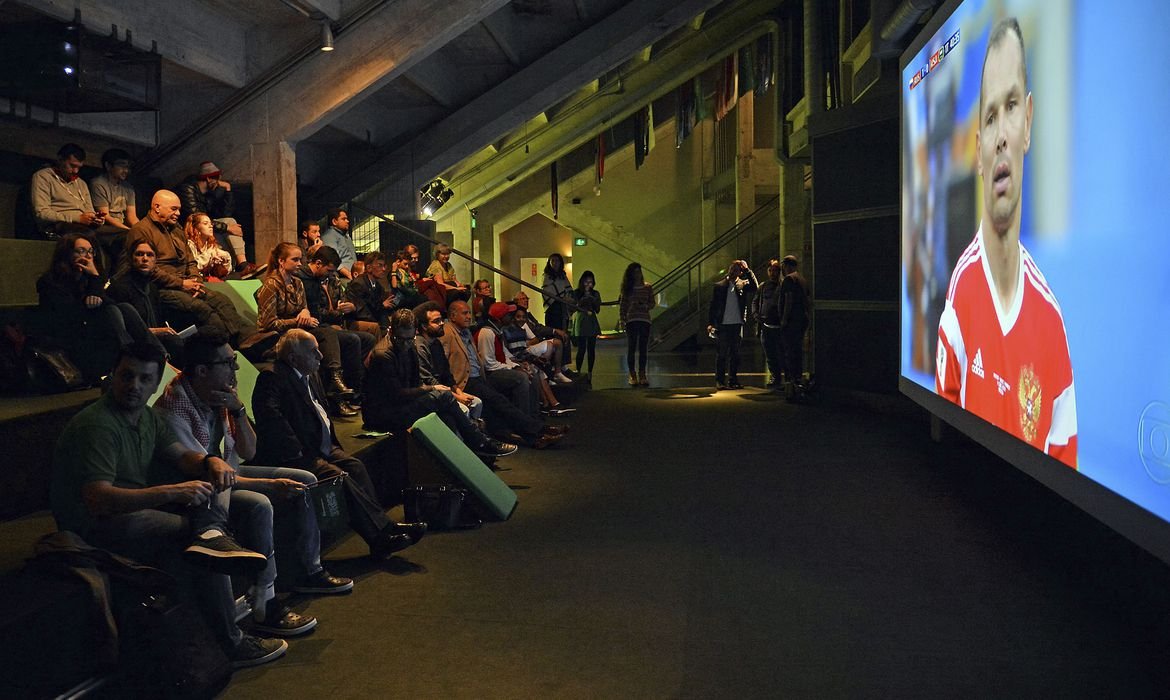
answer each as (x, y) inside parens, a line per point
(580, 241)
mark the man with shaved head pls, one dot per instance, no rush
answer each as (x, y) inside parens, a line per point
(181, 290)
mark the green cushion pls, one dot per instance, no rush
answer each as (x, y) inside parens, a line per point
(242, 293)
(465, 466)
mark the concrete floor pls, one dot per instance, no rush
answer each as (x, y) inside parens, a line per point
(683, 543)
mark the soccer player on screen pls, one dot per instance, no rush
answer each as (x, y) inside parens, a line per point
(1002, 350)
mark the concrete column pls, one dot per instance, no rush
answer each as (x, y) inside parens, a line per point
(793, 209)
(745, 143)
(274, 195)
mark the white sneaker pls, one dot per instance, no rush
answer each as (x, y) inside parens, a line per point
(560, 378)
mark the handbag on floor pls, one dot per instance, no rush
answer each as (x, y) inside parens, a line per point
(440, 507)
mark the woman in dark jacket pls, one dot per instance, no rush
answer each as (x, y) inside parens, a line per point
(135, 286)
(88, 325)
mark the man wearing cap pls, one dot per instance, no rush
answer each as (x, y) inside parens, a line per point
(467, 368)
(113, 197)
(60, 199)
(208, 193)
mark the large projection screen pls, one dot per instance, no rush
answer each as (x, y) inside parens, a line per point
(1035, 272)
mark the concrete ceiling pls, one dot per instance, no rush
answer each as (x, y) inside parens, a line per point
(413, 89)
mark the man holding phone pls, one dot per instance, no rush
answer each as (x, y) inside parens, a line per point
(60, 198)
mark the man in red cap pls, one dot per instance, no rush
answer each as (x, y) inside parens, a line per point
(207, 192)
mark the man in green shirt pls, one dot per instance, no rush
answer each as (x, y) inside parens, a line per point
(110, 487)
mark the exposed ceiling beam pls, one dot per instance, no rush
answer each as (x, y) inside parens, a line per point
(531, 90)
(502, 28)
(187, 33)
(669, 69)
(437, 77)
(327, 8)
(372, 51)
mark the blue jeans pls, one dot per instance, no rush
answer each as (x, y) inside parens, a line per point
(157, 537)
(285, 531)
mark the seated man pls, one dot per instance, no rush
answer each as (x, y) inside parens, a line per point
(203, 409)
(327, 304)
(397, 397)
(294, 430)
(505, 345)
(337, 238)
(105, 490)
(467, 367)
(310, 236)
(372, 304)
(482, 301)
(114, 199)
(208, 193)
(60, 198)
(558, 336)
(180, 286)
(433, 367)
(521, 339)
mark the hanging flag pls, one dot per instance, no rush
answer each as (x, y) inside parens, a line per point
(599, 165)
(726, 87)
(764, 64)
(553, 189)
(650, 128)
(747, 69)
(684, 119)
(701, 109)
(641, 138)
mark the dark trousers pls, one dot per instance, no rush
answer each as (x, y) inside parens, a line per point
(586, 350)
(343, 351)
(727, 353)
(157, 537)
(637, 339)
(792, 341)
(499, 411)
(366, 515)
(446, 407)
(773, 352)
(211, 309)
(518, 387)
(107, 328)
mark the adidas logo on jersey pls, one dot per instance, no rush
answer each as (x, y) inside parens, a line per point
(977, 364)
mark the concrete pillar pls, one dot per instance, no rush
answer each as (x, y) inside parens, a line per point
(793, 209)
(745, 143)
(274, 195)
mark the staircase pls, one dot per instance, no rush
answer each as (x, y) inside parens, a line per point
(685, 292)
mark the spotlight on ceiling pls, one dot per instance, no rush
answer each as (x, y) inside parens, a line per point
(434, 195)
(326, 36)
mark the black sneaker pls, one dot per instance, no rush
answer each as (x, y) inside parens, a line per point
(323, 582)
(223, 555)
(558, 411)
(283, 622)
(253, 651)
(495, 448)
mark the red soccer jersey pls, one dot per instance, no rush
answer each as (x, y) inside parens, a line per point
(1009, 366)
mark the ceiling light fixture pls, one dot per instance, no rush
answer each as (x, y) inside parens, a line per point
(326, 36)
(433, 195)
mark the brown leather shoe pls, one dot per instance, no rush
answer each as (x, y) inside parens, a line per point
(555, 429)
(544, 441)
